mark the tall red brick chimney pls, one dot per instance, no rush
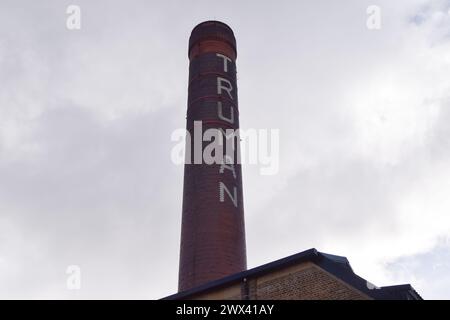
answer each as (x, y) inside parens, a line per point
(212, 233)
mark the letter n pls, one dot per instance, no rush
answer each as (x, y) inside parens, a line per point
(223, 189)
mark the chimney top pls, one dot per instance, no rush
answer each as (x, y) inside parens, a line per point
(213, 31)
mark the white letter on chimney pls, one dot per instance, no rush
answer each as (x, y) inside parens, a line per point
(220, 113)
(225, 61)
(228, 164)
(220, 86)
(223, 189)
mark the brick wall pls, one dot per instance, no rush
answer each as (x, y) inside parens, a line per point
(305, 281)
(309, 283)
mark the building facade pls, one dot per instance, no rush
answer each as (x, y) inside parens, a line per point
(308, 275)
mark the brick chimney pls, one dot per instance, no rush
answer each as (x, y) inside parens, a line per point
(212, 232)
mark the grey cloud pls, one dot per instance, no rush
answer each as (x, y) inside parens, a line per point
(92, 194)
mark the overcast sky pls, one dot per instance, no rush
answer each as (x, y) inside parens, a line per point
(86, 117)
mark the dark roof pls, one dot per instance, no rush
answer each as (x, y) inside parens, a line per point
(336, 265)
(402, 292)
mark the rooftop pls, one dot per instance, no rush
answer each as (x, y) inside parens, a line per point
(336, 265)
